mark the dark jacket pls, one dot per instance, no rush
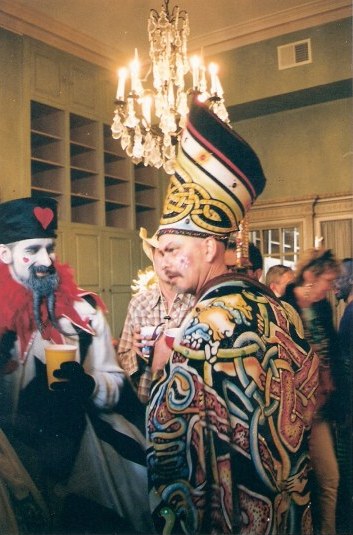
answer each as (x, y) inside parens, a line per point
(321, 330)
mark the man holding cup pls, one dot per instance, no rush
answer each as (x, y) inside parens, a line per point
(63, 430)
(151, 311)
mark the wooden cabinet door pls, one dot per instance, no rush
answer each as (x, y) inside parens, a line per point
(104, 262)
(49, 76)
(83, 87)
(82, 250)
(120, 259)
(63, 80)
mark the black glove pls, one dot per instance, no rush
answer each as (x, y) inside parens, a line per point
(78, 384)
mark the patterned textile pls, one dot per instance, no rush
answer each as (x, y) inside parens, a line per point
(147, 308)
(228, 420)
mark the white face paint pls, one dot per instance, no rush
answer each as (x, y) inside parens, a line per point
(27, 253)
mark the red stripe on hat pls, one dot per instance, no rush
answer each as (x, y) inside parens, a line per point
(221, 157)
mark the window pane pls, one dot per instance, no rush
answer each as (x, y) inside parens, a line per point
(278, 245)
(271, 242)
(255, 237)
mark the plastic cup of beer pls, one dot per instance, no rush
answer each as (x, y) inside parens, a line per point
(55, 355)
(147, 333)
(170, 335)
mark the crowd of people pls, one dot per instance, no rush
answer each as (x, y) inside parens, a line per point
(243, 425)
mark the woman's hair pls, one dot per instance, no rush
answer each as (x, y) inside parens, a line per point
(318, 261)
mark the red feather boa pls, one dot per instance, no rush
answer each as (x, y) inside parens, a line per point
(16, 312)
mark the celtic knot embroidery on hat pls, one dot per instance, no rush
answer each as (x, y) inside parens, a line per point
(43, 215)
(191, 199)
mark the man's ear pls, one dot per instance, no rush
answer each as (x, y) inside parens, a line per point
(272, 286)
(210, 247)
(5, 254)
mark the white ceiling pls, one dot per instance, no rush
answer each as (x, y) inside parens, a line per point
(113, 28)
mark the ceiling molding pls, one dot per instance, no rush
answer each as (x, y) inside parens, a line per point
(32, 23)
(289, 20)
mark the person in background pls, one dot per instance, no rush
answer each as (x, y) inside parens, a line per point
(344, 291)
(229, 414)
(256, 262)
(157, 305)
(277, 278)
(87, 460)
(315, 274)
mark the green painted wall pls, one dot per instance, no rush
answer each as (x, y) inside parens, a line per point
(306, 151)
(306, 148)
(251, 72)
(11, 115)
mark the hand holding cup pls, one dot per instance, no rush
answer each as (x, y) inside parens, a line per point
(55, 355)
(170, 335)
(146, 338)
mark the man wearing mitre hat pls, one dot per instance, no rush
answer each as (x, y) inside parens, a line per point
(71, 436)
(229, 414)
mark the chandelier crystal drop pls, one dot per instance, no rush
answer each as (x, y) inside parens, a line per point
(148, 122)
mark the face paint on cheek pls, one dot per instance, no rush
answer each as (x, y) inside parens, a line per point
(183, 264)
(25, 260)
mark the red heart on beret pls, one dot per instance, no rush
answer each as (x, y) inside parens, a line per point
(44, 215)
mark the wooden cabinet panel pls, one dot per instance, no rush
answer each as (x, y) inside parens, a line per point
(83, 91)
(47, 78)
(13, 149)
(117, 304)
(121, 256)
(62, 79)
(88, 260)
(104, 262)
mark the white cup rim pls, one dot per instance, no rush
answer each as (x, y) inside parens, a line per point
(61, 347)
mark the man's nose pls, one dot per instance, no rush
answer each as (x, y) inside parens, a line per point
(44, 258)
(165, 264)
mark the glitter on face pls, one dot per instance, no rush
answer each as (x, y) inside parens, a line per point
(183, 264)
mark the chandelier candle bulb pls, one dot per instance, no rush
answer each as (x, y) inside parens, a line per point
(203, 83)
(134, 70)
(219, 89)
(195, 65)
(120, 92)
(213, 69)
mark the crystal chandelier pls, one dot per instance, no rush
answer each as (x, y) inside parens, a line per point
(149, 121)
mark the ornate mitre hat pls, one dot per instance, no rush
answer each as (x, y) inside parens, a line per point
(217, 178)
(28, 218)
